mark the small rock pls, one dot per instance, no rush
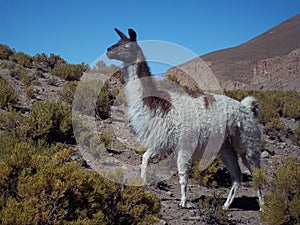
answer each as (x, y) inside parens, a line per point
(161, 222)
(265, 154)
(169, 193)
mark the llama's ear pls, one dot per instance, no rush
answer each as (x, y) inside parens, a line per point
(132, 34)
(120, 33)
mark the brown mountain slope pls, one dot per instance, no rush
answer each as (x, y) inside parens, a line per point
(269, 61)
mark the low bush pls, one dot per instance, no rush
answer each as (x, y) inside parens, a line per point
(211, 210)
(5, 52)
(7, 94)
(40, 61)
(53, 189)
(282, 198)
(297, 133)
(68, 71)
(67, 94)
(208, 176)
(105, 138)
(41, 184)
(51, 121)
(23, 59)
(96, 96)
(55, 59)
(104, 102)
(30, 92)
(273, 104)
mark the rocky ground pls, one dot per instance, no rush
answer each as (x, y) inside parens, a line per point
(244, 210)
(125, 148)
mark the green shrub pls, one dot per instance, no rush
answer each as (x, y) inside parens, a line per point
(102, 68)
(211, 210)
(7, 94)
(273, 104)
(93, 97)
(52, 121)
(40, 61)
(291, 106)
(68, 71)
(275, 123)
(282, 198)
(105, 139)
(30, 92)
(23, 59)
(40, 184)
(208, 176)
(16, 71)
(55, 59)
(53, 189)
(5, 52)
(297, 133)
(67, 94)
(103, 102)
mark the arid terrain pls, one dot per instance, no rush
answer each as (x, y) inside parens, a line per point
(270, 61)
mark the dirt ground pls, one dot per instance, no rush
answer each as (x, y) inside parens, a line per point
(244, 209)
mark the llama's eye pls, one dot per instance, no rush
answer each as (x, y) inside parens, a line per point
(127, 46)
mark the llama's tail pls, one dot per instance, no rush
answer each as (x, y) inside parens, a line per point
(251, 103)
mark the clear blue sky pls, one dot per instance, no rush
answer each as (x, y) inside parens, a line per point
(80, 31)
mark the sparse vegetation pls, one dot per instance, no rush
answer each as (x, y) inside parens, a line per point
(211, 209)
(67, 94)
(104, 102)
(273, 104)
(53, 189)
(102, 68)
(206, 177)
(50, 121)
(7, 94)
(68, 71)
(41, 184)
(282, 198)
(106, 139)
(23, 59)
(30, 92)
(5, 52)
(297, 133)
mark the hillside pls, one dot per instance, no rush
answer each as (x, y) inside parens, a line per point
(45, 178)
(269, 61)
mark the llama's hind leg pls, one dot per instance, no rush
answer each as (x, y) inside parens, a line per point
(253, 162)
(230, 160)
(146, 157)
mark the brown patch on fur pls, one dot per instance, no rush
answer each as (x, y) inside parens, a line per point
(208, 100)
(155, 102)
(153, 98)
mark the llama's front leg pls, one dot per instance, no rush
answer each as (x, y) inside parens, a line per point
(146, 157)
(183, 162)
(183, 188)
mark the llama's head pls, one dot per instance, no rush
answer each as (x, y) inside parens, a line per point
(126, 49)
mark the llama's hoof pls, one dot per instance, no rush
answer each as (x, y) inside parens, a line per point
(225, 207)
(186, 205)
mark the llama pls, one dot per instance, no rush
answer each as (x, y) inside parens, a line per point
(167, 120)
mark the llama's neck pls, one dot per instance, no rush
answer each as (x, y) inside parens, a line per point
(141, 91)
